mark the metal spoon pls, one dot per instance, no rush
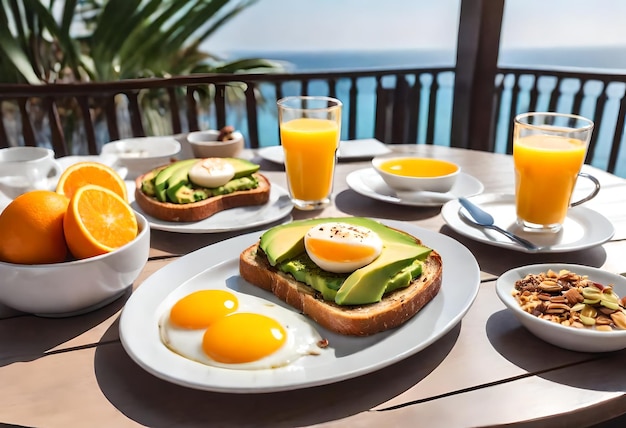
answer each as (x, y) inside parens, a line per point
(484, 219)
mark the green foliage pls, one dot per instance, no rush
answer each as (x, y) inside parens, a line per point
(106, 40)
(51, 41)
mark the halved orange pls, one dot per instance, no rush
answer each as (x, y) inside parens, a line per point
(98, 221)
(82, 173)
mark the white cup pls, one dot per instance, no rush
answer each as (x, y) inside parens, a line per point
(23, 169)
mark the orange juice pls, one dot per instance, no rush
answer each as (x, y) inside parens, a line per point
(310, 146)
(546, 168)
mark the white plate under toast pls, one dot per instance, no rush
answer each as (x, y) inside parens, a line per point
(279, 206)
(348, 357)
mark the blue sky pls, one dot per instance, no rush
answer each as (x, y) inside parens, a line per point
(313, 25)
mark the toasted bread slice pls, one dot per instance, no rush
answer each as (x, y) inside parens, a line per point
(196, 211)
(394, 309)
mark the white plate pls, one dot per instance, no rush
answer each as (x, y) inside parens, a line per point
(348, 150)
(239, 218)
(575, 339)
(368, 183)
(583, 227)
(349, 356)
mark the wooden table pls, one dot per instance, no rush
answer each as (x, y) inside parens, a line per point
(487, 371)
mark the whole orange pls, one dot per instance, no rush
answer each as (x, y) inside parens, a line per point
(31, 228)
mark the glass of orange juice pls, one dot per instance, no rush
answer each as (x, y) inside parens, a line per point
(549, 150)
(310, 128)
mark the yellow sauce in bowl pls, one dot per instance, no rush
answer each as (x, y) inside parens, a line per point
(418, 167)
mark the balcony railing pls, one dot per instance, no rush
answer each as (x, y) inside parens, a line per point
(599, 96)
(395, 106)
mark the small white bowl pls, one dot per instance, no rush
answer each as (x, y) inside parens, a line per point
(142, 154)
(574, 339)
(204, 144)
(71, 288)
(417, 174)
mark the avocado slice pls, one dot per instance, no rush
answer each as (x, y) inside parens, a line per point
(290, 236)
(243, 167)
(178, 179)
(369, 283)
(398, 263)
(161, 181)
(147, 183)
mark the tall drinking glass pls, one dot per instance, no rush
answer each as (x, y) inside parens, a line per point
(548, 151)
(310, 128)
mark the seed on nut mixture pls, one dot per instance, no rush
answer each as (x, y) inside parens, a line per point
(571, 300)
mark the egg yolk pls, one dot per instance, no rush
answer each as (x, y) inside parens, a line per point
(242, 338)
(338, 251)
(202, 308)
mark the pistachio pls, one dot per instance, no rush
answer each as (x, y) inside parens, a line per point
(571, 300)
(592, 295)
(588, 315)
(609, 299)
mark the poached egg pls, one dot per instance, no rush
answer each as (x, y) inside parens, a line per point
(211, 172)
(340, 247)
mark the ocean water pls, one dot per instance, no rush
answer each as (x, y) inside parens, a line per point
(607, 59)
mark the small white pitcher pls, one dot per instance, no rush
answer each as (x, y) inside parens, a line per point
(27, 168)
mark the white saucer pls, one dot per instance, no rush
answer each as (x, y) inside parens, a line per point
(348, 150)
(583, 227)
(368, 183)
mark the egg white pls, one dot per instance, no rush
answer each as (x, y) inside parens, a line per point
(346, 235)
(211, 172)
(302, 339)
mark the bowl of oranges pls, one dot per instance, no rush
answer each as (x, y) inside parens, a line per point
(71, 250)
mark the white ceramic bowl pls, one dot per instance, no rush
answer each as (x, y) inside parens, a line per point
(142, 154)
(70, 288)
(416, 175)
(204, 144)
(575, 339)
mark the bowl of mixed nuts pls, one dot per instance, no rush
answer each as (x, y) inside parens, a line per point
(575, 307)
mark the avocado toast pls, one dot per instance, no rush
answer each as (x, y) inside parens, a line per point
(169, 192)
(376, 297)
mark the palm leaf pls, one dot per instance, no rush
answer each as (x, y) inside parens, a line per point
(116, 21)
(14, 61)
(68, 46)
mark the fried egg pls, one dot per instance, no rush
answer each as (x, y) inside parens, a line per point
(237, 331)
(211, 172)
(341, 247)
